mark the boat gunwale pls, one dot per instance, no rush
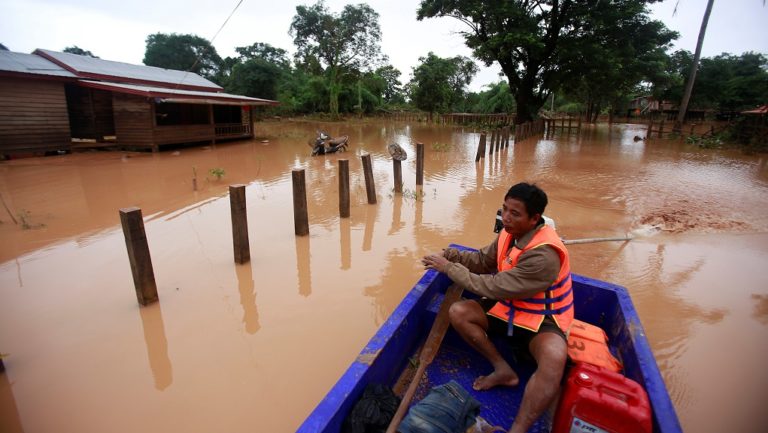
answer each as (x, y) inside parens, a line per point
(328, 415)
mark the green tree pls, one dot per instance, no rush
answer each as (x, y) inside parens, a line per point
(725, 83)
(266, 52)
(255, 77)
(392, 91)
(74, 49)
(533, 41)
(623, 52)
(257, 72)
(496, 99)
(438, 84)
(337, 42)
(183, 53)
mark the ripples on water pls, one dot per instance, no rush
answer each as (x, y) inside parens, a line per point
(695, 279)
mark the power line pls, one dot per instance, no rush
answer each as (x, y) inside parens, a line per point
(197, 60)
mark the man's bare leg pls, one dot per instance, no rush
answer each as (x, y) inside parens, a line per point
(550, 352)
(470, 321)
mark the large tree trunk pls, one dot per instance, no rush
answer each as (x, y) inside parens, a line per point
(694, 68)
(333, 90)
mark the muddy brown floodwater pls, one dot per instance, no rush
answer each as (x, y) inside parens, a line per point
(254, 347)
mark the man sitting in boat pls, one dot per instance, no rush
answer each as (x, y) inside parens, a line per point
(526, 268)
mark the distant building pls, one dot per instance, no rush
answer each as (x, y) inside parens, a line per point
(49, 98)
(648, 105)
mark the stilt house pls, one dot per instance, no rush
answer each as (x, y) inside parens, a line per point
(48, 99)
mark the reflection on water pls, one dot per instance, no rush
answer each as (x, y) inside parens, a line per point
(157, 345)
(247, 297)
(303, 268)
(695, 269)
(345, 243)
(9, 414)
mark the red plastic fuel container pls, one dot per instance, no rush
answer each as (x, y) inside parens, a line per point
(597, 400)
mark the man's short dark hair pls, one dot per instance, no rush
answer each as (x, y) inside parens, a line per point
(532, 196)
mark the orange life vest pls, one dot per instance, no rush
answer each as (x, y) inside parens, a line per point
(556, 300)
(588, 343)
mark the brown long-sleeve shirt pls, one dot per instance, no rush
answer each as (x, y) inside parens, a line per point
(535, 271)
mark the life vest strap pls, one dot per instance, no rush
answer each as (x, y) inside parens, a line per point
(542, 301)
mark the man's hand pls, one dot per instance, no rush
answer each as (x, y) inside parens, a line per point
(436, 262)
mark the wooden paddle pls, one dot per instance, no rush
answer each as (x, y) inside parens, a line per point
(592, 240)
(428, 352)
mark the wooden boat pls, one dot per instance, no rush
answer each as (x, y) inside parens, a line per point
(388, 356)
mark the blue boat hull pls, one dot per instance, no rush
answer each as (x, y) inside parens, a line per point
(387, 356)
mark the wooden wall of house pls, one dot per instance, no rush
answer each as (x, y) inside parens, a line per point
(33, 116)
(184, 134)
(133, 120)
(90, 112)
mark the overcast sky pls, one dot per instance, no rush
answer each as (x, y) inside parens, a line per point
(117, 30)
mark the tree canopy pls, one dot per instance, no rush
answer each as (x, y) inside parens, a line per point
(438, 84)
(182, 52)
(336, 43)
(74, 49)
(541, 45)
(724, 83)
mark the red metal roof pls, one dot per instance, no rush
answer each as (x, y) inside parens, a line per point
(28, 64)
(758, 110)
(107, 70)
(177, 95)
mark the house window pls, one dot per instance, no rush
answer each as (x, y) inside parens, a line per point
(168, 114)
(227, 114)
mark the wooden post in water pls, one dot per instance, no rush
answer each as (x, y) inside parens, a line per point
(138, 255)
(650, 125)
(480, 147)
(397, 171)
(419, 163)
(300, 216)
(344, 188)
(239, 223)
(661, 128)
(493, 140)
(370, 188)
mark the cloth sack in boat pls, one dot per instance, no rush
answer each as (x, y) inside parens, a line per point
(373, 412)
(448, 408)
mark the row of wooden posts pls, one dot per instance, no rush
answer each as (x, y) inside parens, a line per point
(503, 119)
(657, 129)
(493, 119)
(136, 239)
(500, 137)
(552, 123)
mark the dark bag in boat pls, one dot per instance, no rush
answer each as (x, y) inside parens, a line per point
(373, 412)
(448, 408)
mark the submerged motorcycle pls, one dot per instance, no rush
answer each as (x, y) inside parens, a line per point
(325, 144)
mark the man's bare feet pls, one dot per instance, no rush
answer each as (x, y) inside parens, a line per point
(497, 378)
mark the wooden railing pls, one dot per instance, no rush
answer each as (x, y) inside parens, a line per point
(232, 129)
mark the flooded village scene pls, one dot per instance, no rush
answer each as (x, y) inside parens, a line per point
(205, 237)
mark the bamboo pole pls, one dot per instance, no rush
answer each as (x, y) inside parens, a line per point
(593, 240)
(138, 255)
(239, 223)
(344, 188)
(300, 216)
(370, 188)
